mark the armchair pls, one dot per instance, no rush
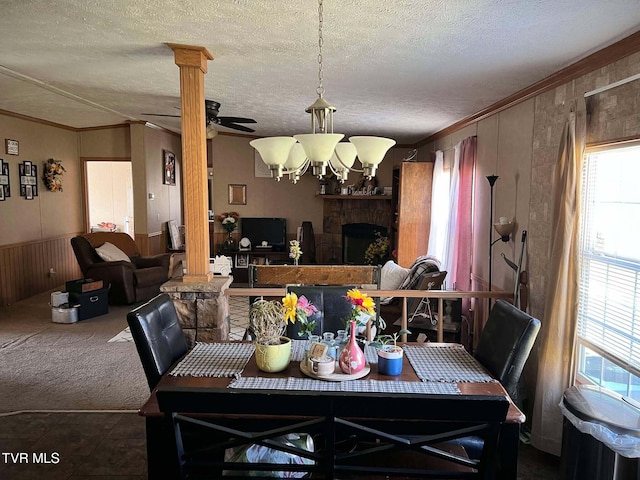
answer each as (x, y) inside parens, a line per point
(137, 280)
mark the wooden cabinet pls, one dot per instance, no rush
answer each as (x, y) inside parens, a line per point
(412, 214)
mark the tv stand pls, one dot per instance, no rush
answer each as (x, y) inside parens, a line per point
(242, 260)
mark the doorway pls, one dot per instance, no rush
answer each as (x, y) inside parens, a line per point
(109, 195)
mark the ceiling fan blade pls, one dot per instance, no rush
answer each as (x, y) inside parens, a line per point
(237, 119)
(159, 115)
(242, 128)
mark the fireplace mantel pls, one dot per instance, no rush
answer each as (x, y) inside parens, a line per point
(355, 197)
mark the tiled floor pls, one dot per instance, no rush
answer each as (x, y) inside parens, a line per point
(239, 312)
(111, 446)
(96, 446)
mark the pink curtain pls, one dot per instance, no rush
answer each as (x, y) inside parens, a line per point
(463, 243)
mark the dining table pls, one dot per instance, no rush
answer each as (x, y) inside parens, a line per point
(434, 368)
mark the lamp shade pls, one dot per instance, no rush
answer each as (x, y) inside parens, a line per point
(371, 150)
(347, 156)
(273, 150)
(211, 132)
(296, 158)
(343, 158)
(318, 147)
(504, 229)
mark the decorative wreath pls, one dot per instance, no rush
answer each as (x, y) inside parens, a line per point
(52, 175)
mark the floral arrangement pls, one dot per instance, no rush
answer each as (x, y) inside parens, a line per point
(294, 250)
(52, 175)
(362, 307)
(299, 309)
(229, 221)
(267, 321)
(377, 250)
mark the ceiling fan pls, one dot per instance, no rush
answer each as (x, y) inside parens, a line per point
(211, 112)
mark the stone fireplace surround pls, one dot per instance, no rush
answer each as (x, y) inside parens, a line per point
(339, 212)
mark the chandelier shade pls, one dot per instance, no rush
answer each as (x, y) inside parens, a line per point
(371, 151)
(319, 147)
(274, 152)
(343, 159)
(296, 161)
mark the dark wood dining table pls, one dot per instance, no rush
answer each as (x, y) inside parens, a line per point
(160, 453)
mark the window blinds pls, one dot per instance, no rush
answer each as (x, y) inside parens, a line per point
(609, 292)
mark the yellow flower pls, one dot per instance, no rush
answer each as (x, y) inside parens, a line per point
(361, 301)
(289, 304)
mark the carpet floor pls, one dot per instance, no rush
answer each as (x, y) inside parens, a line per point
(53, 366)
(89, 365)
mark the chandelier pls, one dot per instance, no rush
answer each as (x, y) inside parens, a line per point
(321, 148)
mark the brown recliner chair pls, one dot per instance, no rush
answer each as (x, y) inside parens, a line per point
(130, 282)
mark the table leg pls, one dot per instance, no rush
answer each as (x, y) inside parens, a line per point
(161, 455)
(508, 451)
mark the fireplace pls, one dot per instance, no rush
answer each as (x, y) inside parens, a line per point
(356, 237)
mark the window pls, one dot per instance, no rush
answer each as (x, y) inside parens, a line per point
(608, 336)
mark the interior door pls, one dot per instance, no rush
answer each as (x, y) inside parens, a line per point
(109, 195)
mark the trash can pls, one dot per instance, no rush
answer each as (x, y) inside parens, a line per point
(601, 435)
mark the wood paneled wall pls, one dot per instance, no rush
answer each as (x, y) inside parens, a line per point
(24, 267)
(152, 244)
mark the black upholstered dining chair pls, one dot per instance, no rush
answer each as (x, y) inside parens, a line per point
(503, 349)
(331, 304)
(505, 344)
(158, 336)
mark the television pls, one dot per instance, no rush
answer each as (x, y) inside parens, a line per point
(270, 230)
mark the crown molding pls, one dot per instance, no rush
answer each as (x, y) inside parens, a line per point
(36, 120)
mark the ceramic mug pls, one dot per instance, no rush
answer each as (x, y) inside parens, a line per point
(322, 365)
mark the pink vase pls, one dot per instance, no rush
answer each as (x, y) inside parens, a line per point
(351, 359)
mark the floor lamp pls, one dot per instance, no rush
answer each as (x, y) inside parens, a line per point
(492, 181)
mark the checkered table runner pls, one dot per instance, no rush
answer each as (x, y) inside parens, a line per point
(298, 346)
(214, 360)
(297, 350)
(377, 386)
(445, 364)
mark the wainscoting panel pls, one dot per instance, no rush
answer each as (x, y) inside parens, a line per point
(24, 267)
(152, 243)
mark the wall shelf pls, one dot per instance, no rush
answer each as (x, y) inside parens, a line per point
(355, 197)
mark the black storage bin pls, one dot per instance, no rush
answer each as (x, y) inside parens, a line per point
(92, 304)
(609, 416)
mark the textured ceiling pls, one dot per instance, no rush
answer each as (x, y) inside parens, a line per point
(402, 68)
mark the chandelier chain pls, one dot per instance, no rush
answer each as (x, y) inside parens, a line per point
(320, 89)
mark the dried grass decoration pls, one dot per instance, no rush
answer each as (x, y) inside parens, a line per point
(273, 349)
(266, 319)
(52, 175)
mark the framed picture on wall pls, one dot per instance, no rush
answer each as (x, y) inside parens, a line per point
(169, 170)
(11, 147)
(28, 180)
(5, 190)
(237, 194)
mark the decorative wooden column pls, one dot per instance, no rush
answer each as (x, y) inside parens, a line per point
(192, 61)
